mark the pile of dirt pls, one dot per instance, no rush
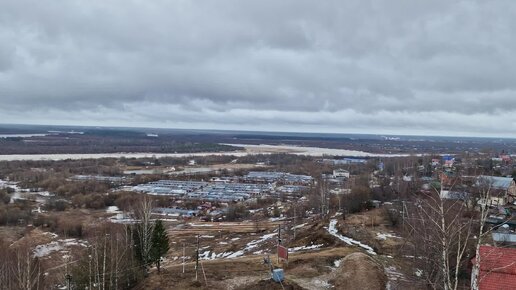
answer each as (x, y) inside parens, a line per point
(271, 285)
(360, 271)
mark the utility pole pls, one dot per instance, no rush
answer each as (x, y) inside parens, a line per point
(279, 235)
(68, 277)
(197, 259)
(295, 222)
(279, 240)
(68, 281)
(90, 273)
(183, 257)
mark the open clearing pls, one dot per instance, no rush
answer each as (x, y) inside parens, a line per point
(232, 254)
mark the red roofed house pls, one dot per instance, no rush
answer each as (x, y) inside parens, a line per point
(497, 268)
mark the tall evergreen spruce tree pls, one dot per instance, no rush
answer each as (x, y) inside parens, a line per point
(160, 244)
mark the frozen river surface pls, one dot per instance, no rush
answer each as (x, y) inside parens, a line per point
(248, 150)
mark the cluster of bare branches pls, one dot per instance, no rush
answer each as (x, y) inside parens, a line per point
(109, 262)
(447, 233)
(19, 269)
(119, 256)
(142, 232)
(441, 239)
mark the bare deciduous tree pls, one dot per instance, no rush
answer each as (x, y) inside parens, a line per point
(143, 229)
(109, 261)
(441, 236)
(25, 269)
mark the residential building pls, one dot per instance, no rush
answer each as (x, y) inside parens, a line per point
(502, 189)
(497, 268)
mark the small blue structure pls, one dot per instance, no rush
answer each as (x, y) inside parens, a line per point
(277, 275)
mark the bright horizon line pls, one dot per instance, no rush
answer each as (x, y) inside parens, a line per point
(390, 134)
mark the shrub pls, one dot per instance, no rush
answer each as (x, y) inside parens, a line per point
(393, 216)
(4, 196)
(56, 205)
(236, 211)
(70, 227)
(13, 215)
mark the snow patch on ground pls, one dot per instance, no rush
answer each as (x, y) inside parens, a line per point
(418, 272)
(208, 255)
(42, 193)
(321, 283)
(199, 225)
(123, 220)
(236, 254)
(47, 249)
(56, 246)
(231, 255)
(332, 229)
(255, 243)
(304, 248)
(412, 257)
(385, 236)
(393, 275)
(298, 226)
(113, 209)
(337, 263)
(168, 220)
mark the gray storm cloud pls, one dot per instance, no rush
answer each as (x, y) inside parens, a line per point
(400, 66)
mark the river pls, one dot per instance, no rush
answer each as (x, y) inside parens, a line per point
(248, 150)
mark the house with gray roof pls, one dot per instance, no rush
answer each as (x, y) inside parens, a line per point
(502, 190)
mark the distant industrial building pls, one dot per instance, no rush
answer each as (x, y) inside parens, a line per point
(111, 179)
(170, 187)
(213, 191)
(277, 177)
(344, 161)
(340, 173)
(256, 184)
(291, 189)
(175, 212)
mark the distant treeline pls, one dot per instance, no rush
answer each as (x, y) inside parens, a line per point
(107, 142)
(113, 140)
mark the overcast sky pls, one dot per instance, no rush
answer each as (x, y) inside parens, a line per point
(399, 66)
